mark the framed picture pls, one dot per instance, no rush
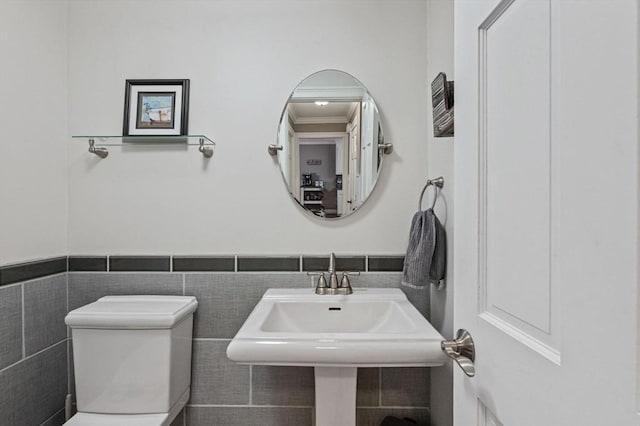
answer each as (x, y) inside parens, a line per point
(156, 108)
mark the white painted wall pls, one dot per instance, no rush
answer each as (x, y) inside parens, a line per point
(33, 135)
(440, 163)
(243, 58)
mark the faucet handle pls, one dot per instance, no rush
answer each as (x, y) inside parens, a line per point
(321, 287)
(322, 282)
(345, 285)
(344, 282)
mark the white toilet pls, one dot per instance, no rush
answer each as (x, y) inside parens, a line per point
(132, 359)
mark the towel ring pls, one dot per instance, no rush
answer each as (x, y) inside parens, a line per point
(436, 183)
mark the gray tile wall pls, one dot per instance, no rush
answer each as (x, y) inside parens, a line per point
(215, 379)
(225, 300)
(224, 393)
(33, 351)
(34, 389)
(45, 306)
(36, 364)
(249, 416)
(87, 287)
(10, 325)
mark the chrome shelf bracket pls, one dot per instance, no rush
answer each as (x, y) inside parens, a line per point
(206, 152)
(100, 151)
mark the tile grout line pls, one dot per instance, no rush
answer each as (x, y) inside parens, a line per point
(69, 366)
(12, 285)
(68, 344)
(53, 415)
(32, 355)
(395, 407)
(24, 343)
(66, 275)
(250, 384)
(260, 406)
(379, 386)
(367, 407)
(212, 339)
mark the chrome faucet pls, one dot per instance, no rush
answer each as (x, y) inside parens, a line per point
(333, 288)
(333, 278)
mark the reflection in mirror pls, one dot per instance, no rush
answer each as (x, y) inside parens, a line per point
(330, 133)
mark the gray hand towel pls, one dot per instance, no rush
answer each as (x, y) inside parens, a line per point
(425, 261)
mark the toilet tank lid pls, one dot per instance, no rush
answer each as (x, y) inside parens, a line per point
(133, 312)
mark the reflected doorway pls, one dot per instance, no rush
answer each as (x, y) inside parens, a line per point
(321, 166)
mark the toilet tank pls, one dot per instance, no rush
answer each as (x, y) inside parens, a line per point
(132, 354)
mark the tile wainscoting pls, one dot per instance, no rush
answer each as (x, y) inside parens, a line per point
(34, 367)
(33, 343)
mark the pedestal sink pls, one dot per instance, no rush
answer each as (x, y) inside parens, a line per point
(336, 334)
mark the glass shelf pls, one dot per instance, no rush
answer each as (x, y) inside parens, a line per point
(98, 143)
(102, 140)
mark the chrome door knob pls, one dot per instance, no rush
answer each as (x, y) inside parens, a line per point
(462, 351)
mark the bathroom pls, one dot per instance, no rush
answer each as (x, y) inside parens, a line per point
(75, 227)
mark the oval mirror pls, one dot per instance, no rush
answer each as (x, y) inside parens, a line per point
(330, 144)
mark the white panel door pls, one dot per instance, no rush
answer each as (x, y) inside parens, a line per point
(546, 218)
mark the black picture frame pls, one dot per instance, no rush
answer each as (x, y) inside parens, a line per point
(156, 107)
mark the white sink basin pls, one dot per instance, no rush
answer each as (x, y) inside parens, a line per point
(369, 328)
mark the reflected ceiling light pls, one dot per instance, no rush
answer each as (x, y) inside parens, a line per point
(321, 103)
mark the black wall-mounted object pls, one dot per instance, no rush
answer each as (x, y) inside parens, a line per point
(442, 102)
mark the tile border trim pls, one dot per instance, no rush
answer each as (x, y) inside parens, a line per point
(88, 263)
(19, 272)
(25, 271)
(140, 263)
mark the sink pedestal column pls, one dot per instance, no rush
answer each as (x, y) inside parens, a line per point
(336, 396)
